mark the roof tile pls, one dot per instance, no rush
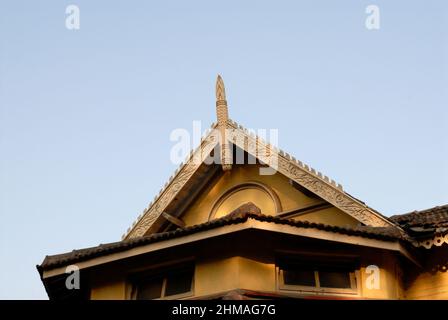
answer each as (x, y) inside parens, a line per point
(237, 216)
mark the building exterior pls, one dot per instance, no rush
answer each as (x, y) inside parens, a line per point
(241, 219)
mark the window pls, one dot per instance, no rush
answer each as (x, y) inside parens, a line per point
(169, 283)
(314, 274)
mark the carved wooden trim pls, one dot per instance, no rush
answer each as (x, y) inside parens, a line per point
(177, 222)
(290, 167)
(312, 181)
(436, 241)
(176, 183)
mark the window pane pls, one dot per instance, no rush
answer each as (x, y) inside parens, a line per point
(150, 288)
(299, 277)
(179, 282)
(334, 279)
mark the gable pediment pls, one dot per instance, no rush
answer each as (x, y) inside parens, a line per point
(215, 157)
(201, 173)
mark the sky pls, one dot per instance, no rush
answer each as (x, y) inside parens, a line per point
(86, 115)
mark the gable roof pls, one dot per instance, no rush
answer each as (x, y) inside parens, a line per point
(287, 165)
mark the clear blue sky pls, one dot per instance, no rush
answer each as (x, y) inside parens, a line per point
(85, 116)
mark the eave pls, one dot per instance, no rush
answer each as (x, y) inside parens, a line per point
(56, 265)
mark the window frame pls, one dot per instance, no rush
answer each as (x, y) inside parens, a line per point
(353, 291)
(164, 273)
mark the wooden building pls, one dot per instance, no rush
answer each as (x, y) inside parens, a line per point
(224, 229)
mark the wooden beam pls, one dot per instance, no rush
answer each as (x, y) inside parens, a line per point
(173, 220)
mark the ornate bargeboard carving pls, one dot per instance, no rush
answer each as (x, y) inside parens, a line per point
(176, 184)
(292, 170)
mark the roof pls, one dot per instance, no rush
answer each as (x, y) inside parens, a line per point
(307, 177)
(425, 222)
(238, 216)
(227, 134)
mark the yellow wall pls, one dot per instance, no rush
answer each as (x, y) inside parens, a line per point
(256, 276)
(216, 276)
(105, 288)
(233, 273)
(331, 216)
(390, 284)
(429, 286)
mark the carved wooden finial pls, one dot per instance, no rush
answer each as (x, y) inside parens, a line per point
(220, 89)
(222, 114)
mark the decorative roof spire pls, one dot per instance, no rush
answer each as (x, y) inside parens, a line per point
(220, 89)
(222, 114)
